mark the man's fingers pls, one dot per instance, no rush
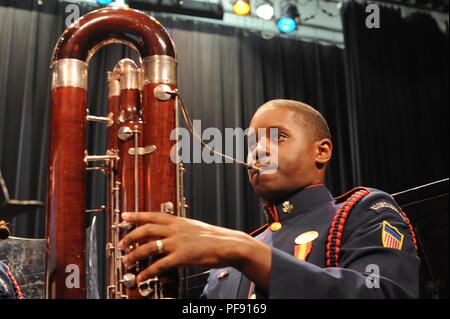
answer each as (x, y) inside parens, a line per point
(142, 233)
(144, 251)
(159, 266)
(148, 217)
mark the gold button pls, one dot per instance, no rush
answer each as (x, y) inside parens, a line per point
(276, 226)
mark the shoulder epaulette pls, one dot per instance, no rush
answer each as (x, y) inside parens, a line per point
(343, 197)
(333, 245)
(348, 200)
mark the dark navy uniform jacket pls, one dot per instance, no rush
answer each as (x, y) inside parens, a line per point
(372, 262)
(7, 290)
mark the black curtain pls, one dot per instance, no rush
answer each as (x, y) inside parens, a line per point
(398, 98)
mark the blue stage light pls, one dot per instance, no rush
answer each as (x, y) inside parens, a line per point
(289, 18)
(104, 2)
(286, 24)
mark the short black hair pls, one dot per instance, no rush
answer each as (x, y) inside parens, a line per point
(308, 117)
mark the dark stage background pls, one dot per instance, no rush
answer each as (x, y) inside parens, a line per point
(385, 97)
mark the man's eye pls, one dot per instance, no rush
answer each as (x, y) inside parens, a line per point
(281, 137)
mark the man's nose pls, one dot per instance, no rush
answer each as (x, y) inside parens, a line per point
(261, 150)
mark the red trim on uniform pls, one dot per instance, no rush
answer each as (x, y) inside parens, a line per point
(16, 285)
(265, 234)
(272, 210)
(250, 290)
(258, 229)
(333, 245)
(413, 235)
(351, 191)
(314, 185)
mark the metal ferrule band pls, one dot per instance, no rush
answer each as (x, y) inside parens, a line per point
(69, 72)
(130, 79)
(127, 73)
(113, 85)
(160, 69)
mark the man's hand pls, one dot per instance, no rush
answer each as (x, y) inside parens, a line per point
(189, 242)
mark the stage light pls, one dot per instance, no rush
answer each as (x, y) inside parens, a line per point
(286, 24)
(288, 20)
(104, 2)
(241, 7)
(265, 10)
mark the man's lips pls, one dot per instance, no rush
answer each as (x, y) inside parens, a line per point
(253, 172)
(257, 168)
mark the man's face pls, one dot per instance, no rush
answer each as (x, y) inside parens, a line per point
(295, 154)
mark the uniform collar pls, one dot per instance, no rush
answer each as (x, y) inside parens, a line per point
(301, 202)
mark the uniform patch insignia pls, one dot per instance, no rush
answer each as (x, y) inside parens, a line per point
(385, 204)
(391, 237)
(303, 244)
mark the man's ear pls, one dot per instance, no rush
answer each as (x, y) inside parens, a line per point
(324, 150)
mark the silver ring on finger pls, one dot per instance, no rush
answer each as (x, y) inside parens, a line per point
(159, 246)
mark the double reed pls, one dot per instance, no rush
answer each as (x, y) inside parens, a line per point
(141, 175)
